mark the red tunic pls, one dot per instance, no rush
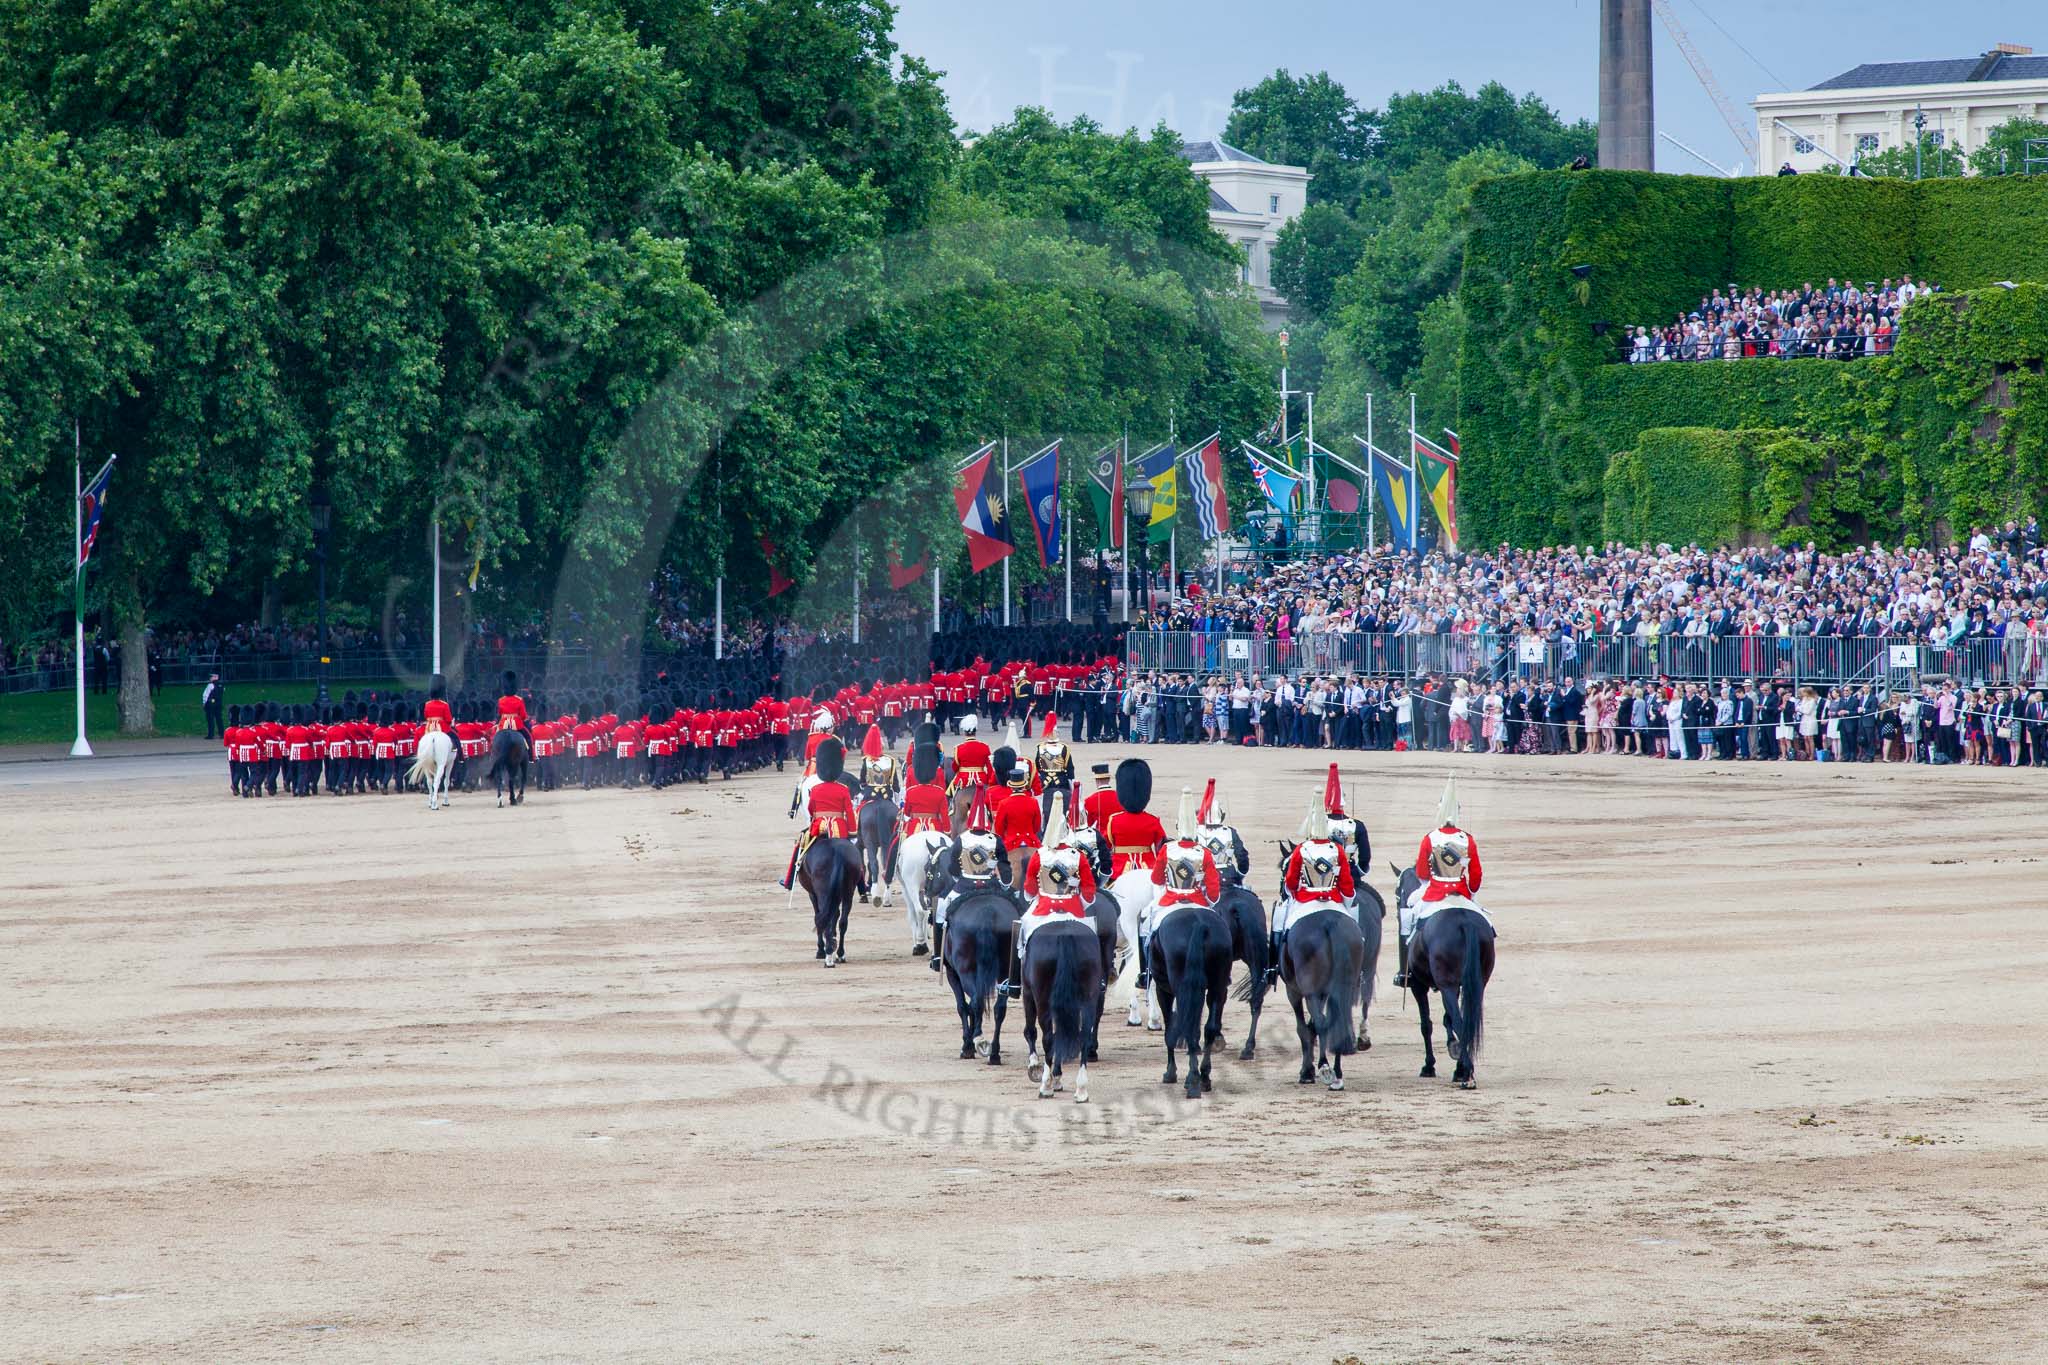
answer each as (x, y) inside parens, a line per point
(437, 716)
(1098, 807)
(1135, 839)
(1435, 889)
(1342, 891)
(1017, 821)
(1071, 904)
(514, 707)
(970, 762)
(1205, 894)
(831, 810)
(924, 808)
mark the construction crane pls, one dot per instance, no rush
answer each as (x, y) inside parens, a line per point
(1744, 133)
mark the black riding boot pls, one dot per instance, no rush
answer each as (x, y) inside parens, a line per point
(938, 944)
(1401, 966)
(1274, 943)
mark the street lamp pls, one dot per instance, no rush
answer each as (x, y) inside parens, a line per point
(323, 521)
(1138, 502)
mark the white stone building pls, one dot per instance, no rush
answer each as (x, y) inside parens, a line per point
(1249, 202)
(1871, 108)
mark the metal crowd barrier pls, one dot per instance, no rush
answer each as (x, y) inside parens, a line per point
(1798, 659)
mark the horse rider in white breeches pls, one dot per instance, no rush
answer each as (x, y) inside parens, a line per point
(1317, 879)
(1447, 865)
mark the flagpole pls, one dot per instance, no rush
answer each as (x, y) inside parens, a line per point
(1414, 482)
(1006, 522)
(79, 747)
(437, 594)
(718, 618)
(1308, 465)
(1371, 538)
(1122, 473)
(936, 571)
(856, 592)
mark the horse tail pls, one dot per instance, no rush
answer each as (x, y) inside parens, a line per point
(1472, 988)
(988, 956)
(1337, 1026)
(1065, 1044)
(418, 769)
(1190, 1002)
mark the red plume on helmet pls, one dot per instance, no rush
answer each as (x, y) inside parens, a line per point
(1208, 800)
(1333, 793)
(871, 745)
(1052, 725)
(977, 813)
(1077, 817)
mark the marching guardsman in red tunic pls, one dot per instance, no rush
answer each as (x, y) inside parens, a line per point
(924, 800)
(829, 805)
(1448, 864)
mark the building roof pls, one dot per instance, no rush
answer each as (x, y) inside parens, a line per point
(1218, 204)
(1213, 149)
(1992, 66)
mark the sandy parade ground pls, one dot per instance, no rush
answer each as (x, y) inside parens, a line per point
(341, 1079)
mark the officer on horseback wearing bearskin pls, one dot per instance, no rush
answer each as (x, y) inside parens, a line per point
(924, 800)
(1318, 877)
(1447, 866)
(830, 806)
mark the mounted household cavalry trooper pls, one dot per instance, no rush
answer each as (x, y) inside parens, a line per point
(973, 862)
(1055, 764)
(1185, 873)
(924, 799)
(1448, 866)
(1347, 830)
(830, 805)
(1058, 881)
(1214, 830)
(1318, 878)
(878, 772)
(821, 730)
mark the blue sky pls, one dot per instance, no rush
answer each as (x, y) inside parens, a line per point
(1125, 62)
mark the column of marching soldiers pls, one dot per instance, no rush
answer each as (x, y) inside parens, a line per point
(592, 737)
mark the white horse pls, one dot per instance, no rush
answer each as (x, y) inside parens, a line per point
(1134, 892)
(435, 761)
(913, 859)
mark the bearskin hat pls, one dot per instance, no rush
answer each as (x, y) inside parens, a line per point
(1133, 784)
(830, 760)
(924, 763)
(927, 733)
(1001, 762)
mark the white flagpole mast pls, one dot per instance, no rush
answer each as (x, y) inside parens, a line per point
(437, 594)
(1006, 520)
(1124, 472)
(936, 571)
(1066, 539)
(1172, 531)
(1414, 499)
(856, 592)
(718, 618)
(79, 748)
(1371, 537)
(1308, 464)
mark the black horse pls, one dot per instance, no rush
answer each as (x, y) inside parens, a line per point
(980, 950)
(1062, 977)
(1451, 953)
(879, 828)
(1323, 964)
(1250, 938)
(510, 757)
(1190, 967)
(830, 873)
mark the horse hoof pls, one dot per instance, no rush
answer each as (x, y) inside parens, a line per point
(995, 1059)
(1322, 1069)
(829, 963)
(1207, 1085)
(1169, 1078)
(1306, 1078)
(966, 1053)
(981, 1047)
(918, 950)
(1152, 1026)
(1245, 1055)
(1336, 1083)
(1468, 1084)
(1080, 1097)
(1194, 1089)
(1364, 1043)
(1427, 1073)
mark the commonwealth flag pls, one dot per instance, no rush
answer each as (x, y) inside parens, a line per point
(1040, 476)
(1160, 467)
(1438, 470)
(1106, 493)
(982, 501)
(1395, 483)
(1205, 481)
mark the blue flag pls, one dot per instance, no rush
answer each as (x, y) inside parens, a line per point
(93, 501)
(1401, 495)
(1278, 488)
(1040, 476)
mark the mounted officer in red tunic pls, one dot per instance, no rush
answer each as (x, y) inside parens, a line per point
(829, 805)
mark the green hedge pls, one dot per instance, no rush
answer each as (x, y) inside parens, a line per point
(1951, 431)
(1713, 486)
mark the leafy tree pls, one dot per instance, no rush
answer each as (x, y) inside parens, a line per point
(1306, 121)
(1935, 160)
(2005, 148)
(1446, 123)
(1313, 253)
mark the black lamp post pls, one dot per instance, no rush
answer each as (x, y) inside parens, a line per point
(323, 520)
(1138, 502)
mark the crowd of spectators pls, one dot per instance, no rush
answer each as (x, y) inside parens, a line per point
(1994, 586)
(1840, 321)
